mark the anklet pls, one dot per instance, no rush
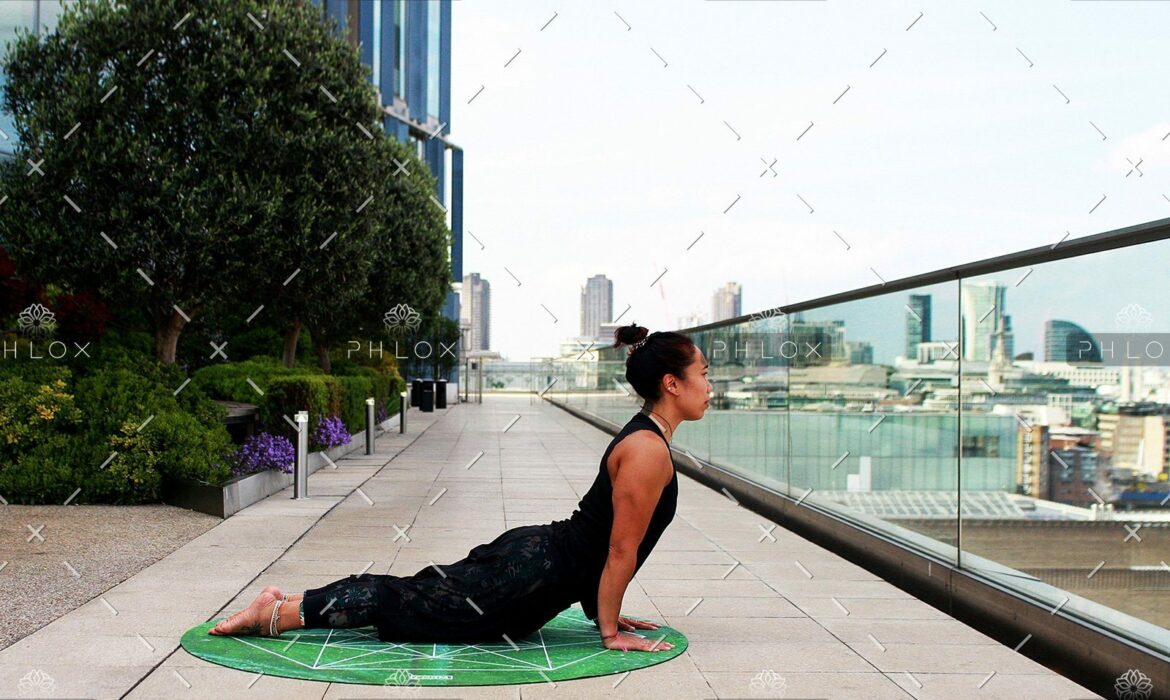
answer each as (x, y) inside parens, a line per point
(272, 628)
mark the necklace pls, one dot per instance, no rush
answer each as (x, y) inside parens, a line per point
(651, 417)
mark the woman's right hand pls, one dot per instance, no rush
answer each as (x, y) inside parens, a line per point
(636, 642)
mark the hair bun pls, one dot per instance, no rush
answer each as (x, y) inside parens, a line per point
(632, 334)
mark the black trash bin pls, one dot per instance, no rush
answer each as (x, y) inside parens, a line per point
(441, 393)
(416, 386)
(427, 397)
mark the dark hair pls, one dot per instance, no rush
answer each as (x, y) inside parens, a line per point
(653, 356)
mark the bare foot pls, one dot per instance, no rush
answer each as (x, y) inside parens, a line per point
(275, 591)
(250, 620)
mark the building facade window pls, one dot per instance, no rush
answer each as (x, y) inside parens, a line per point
(400, 48)
(434, 7)
(377, 55)
(353, 23)
(980, 446)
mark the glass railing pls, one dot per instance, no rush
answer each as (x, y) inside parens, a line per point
(1014, 423)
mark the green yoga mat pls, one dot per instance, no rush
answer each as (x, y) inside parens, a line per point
(567, 647)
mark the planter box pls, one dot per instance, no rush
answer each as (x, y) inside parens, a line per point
(241, 492)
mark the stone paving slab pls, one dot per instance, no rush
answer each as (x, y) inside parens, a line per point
(759, 625)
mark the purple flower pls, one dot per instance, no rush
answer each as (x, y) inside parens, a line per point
(383, 414)
(264, 451)
(331, 432)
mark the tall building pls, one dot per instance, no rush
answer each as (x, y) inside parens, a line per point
(596, 305)
(826, 337)
(1137, 436)
(407, 46)
(475, 311)
(1009, 339)
(860, 352)
(727, 302)
(982, 312)
(917, 323)
(1065, 341)
(1074, 465)
(691, 320)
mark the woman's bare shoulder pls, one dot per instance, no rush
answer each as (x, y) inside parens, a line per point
(643, 446)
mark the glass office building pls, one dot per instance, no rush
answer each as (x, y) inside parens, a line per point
(407, 45)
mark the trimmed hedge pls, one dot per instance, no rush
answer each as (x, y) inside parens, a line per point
(301, 388)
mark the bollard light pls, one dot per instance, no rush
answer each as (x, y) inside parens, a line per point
(402, 412)
(370, 426)
(301, 468)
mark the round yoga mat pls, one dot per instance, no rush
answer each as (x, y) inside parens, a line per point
(567, 647)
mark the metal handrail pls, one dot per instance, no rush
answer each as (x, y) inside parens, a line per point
(1137, 234)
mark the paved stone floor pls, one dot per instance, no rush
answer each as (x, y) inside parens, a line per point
(758, 625)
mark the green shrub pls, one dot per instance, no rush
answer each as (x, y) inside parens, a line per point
(174, 445)
(320, 395)
(355, 389)
(33, 411)
(49, 472)
(118, 409)
(301, 388)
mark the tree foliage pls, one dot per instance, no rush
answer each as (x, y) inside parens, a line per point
(202, 159)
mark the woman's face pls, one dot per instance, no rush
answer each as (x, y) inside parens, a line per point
(694, 391)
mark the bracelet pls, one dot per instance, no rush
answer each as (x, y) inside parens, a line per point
(607, 636)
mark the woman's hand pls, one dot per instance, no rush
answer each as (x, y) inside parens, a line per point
(629, 624)
(636, 642)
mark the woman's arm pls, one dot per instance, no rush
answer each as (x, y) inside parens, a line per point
(643, 472)
(619, 569)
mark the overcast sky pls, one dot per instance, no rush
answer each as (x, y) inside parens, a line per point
(906, 137)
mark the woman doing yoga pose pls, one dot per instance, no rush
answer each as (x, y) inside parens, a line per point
(511, 586)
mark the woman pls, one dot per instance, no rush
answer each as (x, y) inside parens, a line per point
(512, 586)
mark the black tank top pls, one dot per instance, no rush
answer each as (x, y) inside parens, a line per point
(585, 535)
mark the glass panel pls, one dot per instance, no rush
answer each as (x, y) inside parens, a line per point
(400, 46)
(1016, 423)
(377, 59)
(353, 23)
(874, 425)
(1062, 375)
(433, 26)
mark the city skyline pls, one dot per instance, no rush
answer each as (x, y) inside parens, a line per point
(1049, 292)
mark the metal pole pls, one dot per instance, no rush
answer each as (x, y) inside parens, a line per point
(301, 469)
(402, 413)
(370, 426)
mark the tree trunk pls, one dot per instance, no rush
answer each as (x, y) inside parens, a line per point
(290, 343)
(166, 336)
(323, 357)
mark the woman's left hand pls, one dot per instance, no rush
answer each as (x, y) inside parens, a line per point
(627, 624)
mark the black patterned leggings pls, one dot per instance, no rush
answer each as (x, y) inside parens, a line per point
(348, 602)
